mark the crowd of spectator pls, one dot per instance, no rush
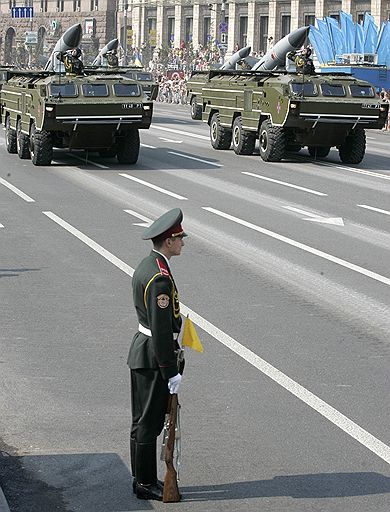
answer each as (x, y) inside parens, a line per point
(385, 95)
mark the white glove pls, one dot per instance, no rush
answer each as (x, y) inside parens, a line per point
(174, 383)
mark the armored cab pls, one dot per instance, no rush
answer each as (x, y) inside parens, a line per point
(100, 112)
(288, 111)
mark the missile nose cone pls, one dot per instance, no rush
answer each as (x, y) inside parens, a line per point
(244, 52)
(297, 37)
(113, 45)
(72, 36)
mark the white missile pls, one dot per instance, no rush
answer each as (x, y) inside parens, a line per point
(70, 39)
(111, 45)
(240, 54)
(276, 56)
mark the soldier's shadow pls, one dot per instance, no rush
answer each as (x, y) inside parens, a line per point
(314, 486)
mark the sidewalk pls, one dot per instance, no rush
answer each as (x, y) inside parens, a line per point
(3, 503)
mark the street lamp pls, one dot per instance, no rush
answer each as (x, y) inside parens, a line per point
(125, 6)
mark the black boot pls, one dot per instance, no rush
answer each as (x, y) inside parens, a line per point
(146, 486)
(132, 461)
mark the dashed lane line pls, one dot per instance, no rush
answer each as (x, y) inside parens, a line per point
(334, 259)
(284, 183)
(17, 191)
(194, 158)
(317, 404)
(154, 187)
(379, 210)
(181, 132)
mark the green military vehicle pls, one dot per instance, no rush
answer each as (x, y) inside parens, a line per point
(287, 111)
(194, 92)
(97, 111)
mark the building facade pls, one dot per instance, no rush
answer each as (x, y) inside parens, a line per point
(159, 23)
(22, 37)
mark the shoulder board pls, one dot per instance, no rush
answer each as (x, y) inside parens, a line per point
(162, 267)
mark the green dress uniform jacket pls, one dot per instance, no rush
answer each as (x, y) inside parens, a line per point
(157, 305)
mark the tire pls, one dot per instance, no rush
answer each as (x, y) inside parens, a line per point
(272, 142)
(318, 151)
(22, 142)
(196, 110)
(10, 137)
(242, 140)
(128, 147)
(41, 146)
(220, 137)
(353, 149)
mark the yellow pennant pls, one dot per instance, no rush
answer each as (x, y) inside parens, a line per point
(190, 336)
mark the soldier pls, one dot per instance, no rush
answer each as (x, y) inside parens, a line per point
(153, 356)
(112, 59)
(302, 60)
(72, 62)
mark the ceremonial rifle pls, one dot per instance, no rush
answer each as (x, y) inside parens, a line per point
(171, 489)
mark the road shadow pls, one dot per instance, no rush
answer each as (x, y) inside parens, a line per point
(88, 482)
(312, 486)
(14, 272)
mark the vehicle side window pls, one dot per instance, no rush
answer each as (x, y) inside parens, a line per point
(332, 90)
(304, 88)
(67, 90)
(99, 90)
(127, 90)
(361, 91)
(144, 77)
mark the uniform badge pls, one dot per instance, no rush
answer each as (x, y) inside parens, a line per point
(163, 301)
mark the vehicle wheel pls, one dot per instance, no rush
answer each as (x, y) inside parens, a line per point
(196, 110)
(10, 137)
(108, 152)
(243, 141)
(128, 147)
(354, 147)
(318, 151)
(41, 146)
(220, 137)
(22, 142)
(272, 142)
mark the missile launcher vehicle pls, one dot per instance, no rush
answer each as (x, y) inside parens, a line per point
(43, 110)
(289, 111)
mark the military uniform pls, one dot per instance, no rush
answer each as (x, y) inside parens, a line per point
(72, 64)
(303, 62)
(153, 355)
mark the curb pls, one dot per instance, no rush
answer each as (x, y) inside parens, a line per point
(3, 503)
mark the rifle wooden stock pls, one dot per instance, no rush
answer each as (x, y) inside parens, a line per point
(171, 490)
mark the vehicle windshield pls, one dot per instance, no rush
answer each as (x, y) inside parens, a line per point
(127, 90)
(361, 91)
(99, 90)
(144, 77)
(332, 90)
(67, 90)
(303, 89)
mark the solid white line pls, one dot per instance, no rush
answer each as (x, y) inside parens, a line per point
(154, 187)
(138, 215)
(304, 247)
(192, 135)
(298, 210)
(379, 210)
(284, 183)
(147, 146)
(17, 191)
(87, 161)
(193, 158)
(362, 171)
(327, 411)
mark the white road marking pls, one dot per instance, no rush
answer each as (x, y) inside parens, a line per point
(304, 247)
(154, 187)
(379, 210)
(1, 226)
(357, 171)
(284, 183)
(146, 222)
(87, 161)
(148, 146)
(314, 217)
(193, 158)
(171, 140)
(327, 411)
(180, 132)
(17, 191)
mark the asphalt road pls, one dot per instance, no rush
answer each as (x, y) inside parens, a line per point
(286, 274)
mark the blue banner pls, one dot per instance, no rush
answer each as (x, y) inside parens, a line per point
(359, 39)
(322, 50)
(348, 31)
(371, 38)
